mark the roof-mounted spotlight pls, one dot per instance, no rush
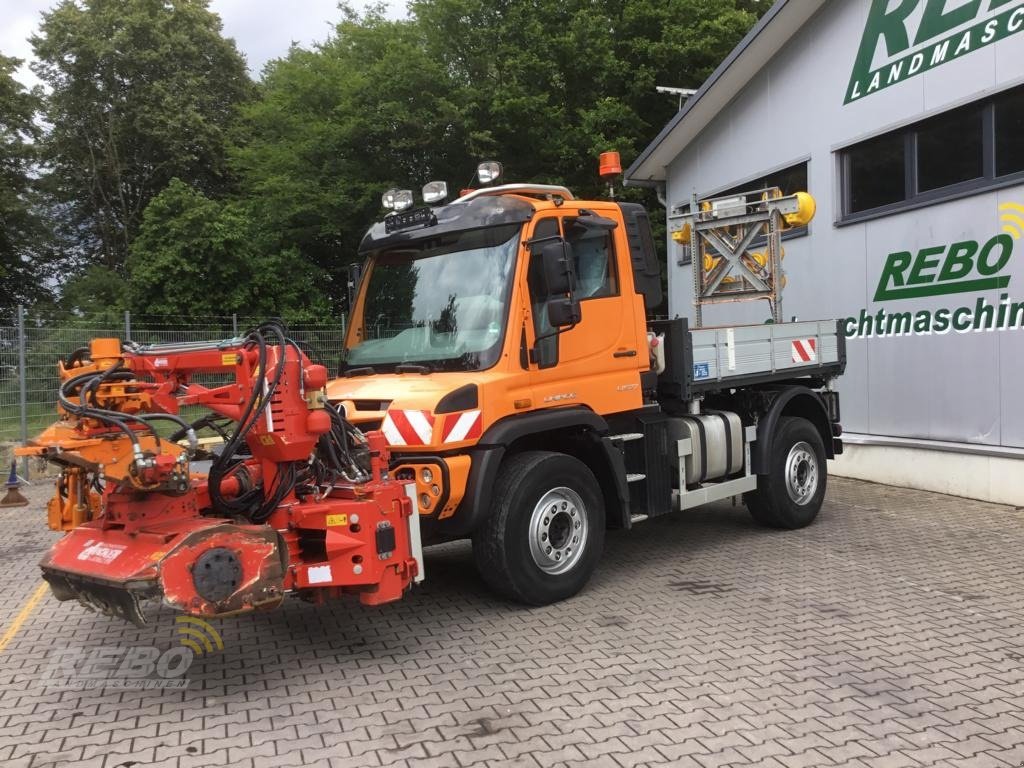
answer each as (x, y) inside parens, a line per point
(488, 172)
(397, 199)
(435, 192)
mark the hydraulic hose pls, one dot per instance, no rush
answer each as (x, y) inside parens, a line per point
(258, 402)
(108, 417)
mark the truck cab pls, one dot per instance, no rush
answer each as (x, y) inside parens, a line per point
(505, 345)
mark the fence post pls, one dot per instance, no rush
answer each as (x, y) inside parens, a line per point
(127, 325)
(234, 323)
(23, 386)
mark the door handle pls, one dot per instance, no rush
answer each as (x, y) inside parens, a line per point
(624, 353)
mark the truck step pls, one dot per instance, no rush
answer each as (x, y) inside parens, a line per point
(625, 437)
(634, 519)
(633, 477)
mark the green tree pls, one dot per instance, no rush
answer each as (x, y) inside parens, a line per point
(95, 291)
(542, 85)
(141, 91)
(197, 256)
(549, 84)
(25, 252)
(338, 125)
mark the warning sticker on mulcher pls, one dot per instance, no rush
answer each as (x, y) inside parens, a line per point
(701, 371)
(319, 574)
(101, 553)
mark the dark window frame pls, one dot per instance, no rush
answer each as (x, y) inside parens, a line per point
(547, 349)
(914, 199)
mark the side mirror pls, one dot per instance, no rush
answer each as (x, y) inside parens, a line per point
(558, 267)
(589, 220)
(563, 311)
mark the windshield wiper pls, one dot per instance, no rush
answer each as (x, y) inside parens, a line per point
(364, 371)
(412, 368)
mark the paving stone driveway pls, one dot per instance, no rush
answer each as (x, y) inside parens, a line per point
(887, 634)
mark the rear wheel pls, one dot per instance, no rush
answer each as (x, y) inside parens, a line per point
(542, 540)
(791, 494)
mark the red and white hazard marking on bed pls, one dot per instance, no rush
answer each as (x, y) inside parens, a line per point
(805, 350)
(461, 426)
(408, 427)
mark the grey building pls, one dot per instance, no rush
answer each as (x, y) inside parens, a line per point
(905, 120)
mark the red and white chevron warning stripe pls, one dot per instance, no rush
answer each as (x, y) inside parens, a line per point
(805, 350)
(461, 426)
(408, 427)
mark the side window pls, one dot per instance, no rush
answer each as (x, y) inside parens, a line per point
(595, 261)
(547, 348)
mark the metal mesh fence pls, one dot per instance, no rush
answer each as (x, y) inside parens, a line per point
(28, 393)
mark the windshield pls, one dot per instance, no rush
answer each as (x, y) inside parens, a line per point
(440, 303)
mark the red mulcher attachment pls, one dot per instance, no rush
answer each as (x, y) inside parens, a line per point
(297, 501)
(202, 567)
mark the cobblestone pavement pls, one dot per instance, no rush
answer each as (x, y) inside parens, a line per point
(887, 634)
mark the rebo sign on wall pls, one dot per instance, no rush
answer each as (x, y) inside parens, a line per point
(968, 266)
(913, 36)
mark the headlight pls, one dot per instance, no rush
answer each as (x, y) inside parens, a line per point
(488, 171)
(435, 192)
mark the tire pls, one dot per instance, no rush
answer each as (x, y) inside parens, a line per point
(541, 499)
(791, 494)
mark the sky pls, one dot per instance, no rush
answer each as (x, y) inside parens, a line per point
(262, 29)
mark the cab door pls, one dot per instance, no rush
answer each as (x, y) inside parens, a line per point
(597, 362)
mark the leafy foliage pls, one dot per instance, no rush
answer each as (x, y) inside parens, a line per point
(542, 85)
(24, 253)
(547, 85)
(194, 255)
(335, 127)
(141, 91)
(178, 186)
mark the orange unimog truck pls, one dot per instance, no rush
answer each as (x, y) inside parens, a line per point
(505, 344)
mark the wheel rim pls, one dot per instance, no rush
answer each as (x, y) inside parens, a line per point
(801, 473)
(558, 531)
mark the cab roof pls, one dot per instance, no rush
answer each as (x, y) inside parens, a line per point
(457, 216)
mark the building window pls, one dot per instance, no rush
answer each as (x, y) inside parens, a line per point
(789, 180)
(876, 170)
(1009, 129)
(949, 150)
(963, 151)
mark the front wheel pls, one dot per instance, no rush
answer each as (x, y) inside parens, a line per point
(791, 494)
(543, 538)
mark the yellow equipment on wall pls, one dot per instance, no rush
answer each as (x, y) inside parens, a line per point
(722, 233)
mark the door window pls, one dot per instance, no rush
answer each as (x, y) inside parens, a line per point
(595, 262)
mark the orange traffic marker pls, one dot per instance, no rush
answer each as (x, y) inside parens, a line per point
(13, 497)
